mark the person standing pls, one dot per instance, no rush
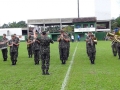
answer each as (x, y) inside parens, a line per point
(36, 47)
(92, 41)
(18, 42)
(13, 43)
(63, 40)
(45, 52)
(78, 37)
(30, 45)
(72, 38)
(5, 50)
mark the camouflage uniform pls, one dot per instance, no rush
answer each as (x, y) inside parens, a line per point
(30, 47)
(114, 48)
(45, 52)
(91, 50)
(5, 51)
(17, 39)
(63, 49)
(36, 47)
(13, 51)
(118, 49)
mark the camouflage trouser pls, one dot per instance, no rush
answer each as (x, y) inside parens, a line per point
(114, 49)
(30, 51)
(36, 56)
(13, 57)
(45, 57)
(91, 54)
(118, 49)
(63, 53)
(17, 51)
(68, 49)
(87, 50)
(4, 53)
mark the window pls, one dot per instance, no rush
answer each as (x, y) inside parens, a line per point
(85, 25)
(24, 32)
(77, 26)
(91, 25)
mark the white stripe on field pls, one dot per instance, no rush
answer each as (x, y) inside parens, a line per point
(68, 71)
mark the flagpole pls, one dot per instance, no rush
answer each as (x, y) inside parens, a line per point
(78, 8)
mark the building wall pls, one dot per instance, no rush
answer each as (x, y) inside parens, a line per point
(10, 31)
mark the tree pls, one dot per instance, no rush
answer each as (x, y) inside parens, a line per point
(68, 28)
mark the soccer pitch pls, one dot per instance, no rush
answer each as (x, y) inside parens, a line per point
(77, 74)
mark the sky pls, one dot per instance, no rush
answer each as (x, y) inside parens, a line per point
(17, 10)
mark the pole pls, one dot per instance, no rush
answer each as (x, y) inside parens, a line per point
(78, 8)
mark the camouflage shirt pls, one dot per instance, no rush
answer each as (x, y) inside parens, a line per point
(36, 44)
(5, 40)
(29, 38)
(14, 47)
(63, 43)
(45, 44)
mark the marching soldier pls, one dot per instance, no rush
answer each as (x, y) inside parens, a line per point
(5, 51)
(63, 40)
(29, 45)
(13, 43)
(92, 41)
(45, 52)
(36, 47)
(18, 41)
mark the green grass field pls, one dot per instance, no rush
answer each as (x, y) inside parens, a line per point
(104, 75)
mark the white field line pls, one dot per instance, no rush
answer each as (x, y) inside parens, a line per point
(68, 71)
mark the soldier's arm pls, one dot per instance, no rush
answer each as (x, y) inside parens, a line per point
(51, 41)
(58, 38)
(9, 44)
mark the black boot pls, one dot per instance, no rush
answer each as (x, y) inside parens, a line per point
(47, 73)
(62, 61)
(43, 72)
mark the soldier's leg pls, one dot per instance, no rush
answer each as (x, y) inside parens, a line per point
(61, 54)
(47, 62)
(118, 52)
(28, 49)
(87, 51)
(113, 49)
(6, 51)
(64, 55)
(93, 56)
(15, 57)
(31, 52)
(43, 63)
(3, 54)
(38, 56)
(12, 57)
(35, 57)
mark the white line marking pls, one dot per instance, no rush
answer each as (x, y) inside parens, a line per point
(68, 71)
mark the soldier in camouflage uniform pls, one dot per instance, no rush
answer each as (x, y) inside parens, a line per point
(68, 45)
(36, 47)
(30, 45)
(18, 41)
(92, 41)
(45, 52)
(5, 51)
(63, 40)
(13, 43)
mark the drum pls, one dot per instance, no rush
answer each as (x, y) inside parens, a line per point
(3, 45)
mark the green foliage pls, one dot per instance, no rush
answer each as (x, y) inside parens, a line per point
(115, 23)
(20, 24)
(68, 28)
